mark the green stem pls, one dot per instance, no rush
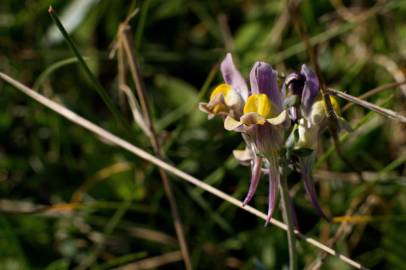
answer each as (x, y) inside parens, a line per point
(287, 216)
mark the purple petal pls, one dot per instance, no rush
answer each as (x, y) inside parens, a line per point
(311, 88)
(283, 91)
(274, 178)
(255, 177)
(294, 81)
(309, 186)
(294, 76)
(264, 80)
(233, 77)
(267, 138)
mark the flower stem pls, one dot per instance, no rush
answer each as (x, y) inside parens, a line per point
(287, 216)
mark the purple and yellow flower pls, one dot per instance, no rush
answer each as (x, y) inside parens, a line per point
(262, 122)
(229, 97)
(305, 85)
(310, 114)
(259, 116)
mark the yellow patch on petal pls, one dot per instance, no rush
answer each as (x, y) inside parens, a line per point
(258, 103)
(252, 118)
(219, 108)
(261, 121)
(221, 89)
(334, 103)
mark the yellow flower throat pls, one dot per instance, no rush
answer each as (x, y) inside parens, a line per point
(223, 89)
(260, 104)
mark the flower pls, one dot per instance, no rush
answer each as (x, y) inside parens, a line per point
(305, 85)
(259, 115)
(262, 123)
(227, 98)
(264, 104)
(310, 123)
(263, 115)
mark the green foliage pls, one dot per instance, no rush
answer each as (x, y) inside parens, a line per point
(45, 160)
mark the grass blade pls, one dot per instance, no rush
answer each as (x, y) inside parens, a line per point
(96, 84)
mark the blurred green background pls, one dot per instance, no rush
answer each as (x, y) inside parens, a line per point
(123, 215)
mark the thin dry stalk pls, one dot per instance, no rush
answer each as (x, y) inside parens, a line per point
(350, 16)
(275, 37)
(152, 235)
(115, 140)
(132, 102)
(374, 91)
(25, 207)
(392, 67)
(225, 32)
(125, 90)
(351, 177)
(154, 262)
(126, 40)
(385, 112)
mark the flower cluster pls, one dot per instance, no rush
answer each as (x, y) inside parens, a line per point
(280, 127)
